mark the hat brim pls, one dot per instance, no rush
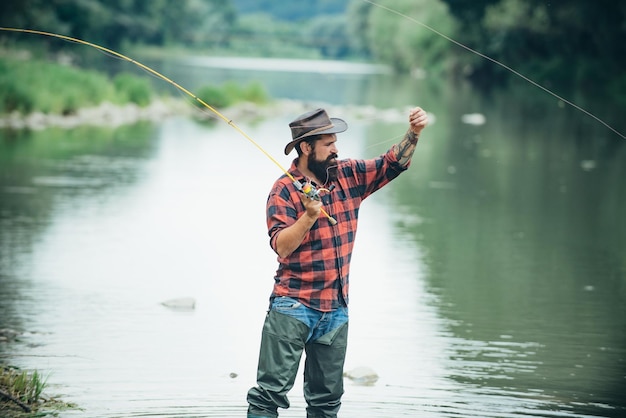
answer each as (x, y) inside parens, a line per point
(339, 125)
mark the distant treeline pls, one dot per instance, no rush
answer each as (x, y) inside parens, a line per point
(577, 45)
(292, 10)
(113, 23)
(574, 44)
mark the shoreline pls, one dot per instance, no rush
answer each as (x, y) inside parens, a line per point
(107, 114)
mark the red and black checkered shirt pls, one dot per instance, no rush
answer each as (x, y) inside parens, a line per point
(317, 272)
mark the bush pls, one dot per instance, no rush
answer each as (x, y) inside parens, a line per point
(133, 89)
(27, 86)
(253, 92)
(60, 89)
(213, 96)
(230, 93)
(15, 97)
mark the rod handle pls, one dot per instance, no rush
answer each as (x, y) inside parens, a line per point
(332, 220)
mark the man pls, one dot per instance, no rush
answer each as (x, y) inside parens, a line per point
(313, 235)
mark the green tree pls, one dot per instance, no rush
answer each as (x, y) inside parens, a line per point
(329, 34)
(114, 22)
(576, 44)
(401, 41)
(294, 11)
(358, 26)
(203, 23)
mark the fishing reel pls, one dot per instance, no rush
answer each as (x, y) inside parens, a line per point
(311, 191)
(314, 193)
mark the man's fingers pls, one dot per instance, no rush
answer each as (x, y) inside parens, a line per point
(417, 115)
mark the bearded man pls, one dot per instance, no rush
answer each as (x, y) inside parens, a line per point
(308, 309)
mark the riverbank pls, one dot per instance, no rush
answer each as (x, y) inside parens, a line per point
(110, 115)
(40, 94)
(105, 114)
(36, 94)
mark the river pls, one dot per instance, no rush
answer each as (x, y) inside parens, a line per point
(487, 281)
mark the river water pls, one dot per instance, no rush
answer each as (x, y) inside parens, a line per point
(487, 281)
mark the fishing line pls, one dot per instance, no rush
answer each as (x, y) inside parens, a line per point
(386, 141)
(307, 189)
(498, 63)
(200, 110)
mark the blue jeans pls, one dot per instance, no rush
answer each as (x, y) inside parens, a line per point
(290, 329)
(319, 323)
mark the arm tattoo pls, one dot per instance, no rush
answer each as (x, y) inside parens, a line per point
(405, 149)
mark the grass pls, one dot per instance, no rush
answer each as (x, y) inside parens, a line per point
(37, 85)
(230, 93)
(29, 85)
(27, 387)
(22, 395)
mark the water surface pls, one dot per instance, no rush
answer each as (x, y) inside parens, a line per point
(488, 281)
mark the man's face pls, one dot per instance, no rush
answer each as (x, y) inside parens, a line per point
(322, 160)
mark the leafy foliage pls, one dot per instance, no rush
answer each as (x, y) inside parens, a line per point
(26, 86)
(133, 89)
(113, 22)
(566, 45)
(574, 44)
(293, 11)
(231, 93)
(400, 42)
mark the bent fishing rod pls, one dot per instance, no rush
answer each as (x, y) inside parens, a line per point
(307, 189)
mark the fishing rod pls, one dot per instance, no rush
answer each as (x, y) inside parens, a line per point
(307, 189)
(506, 67)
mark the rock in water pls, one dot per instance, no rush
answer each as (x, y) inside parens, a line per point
(474, 119)
(181, 304)
(363, 376)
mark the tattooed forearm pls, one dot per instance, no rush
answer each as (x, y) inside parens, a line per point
(404, 149)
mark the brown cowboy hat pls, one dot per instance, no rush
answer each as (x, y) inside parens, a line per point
(315, 122)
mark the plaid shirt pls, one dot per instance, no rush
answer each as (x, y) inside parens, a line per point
(317, 272)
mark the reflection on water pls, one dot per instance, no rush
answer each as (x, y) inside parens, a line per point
(525, 249)
(487, 281)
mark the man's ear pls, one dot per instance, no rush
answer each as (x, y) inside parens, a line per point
(305, 147)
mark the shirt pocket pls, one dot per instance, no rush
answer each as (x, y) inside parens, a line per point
(342, 207)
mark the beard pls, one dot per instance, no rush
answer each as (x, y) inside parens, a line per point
(326, 170)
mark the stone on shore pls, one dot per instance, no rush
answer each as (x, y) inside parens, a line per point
(105, 114)
(110, 115)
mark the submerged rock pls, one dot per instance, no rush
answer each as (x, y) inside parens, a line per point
(362, 376)
(181, 304)
(588, 165)
(474, 119)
